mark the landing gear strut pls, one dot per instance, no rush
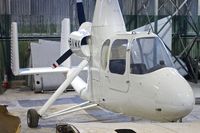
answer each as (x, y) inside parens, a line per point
(33, 115)
(32, 118)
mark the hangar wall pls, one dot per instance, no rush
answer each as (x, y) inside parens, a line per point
(42, 19)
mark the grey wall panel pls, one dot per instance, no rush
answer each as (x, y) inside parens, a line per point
(4, 7)
(20, 7)
(44, 54)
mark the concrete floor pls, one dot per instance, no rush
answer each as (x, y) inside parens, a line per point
(19, 100)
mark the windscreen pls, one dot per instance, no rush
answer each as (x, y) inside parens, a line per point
(148, 54)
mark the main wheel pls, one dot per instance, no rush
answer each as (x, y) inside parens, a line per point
(32, 118)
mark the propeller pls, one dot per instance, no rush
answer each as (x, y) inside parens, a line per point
(61, 59)
(81, 19)
(80, 11)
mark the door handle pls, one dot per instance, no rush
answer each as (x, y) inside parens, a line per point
(127, 81)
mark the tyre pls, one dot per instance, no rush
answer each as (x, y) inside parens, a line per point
(32, 118)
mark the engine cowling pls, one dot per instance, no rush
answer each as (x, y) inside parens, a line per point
(79, 40)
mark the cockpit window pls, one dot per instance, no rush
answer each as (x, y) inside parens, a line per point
(147, 55)
(117, 62)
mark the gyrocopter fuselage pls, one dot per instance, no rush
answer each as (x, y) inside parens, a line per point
(128, 72)
(132, 73)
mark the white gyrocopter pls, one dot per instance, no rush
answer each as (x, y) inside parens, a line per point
(128, 72)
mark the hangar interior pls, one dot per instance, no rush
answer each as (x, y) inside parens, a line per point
(41, 19)
(36, 22)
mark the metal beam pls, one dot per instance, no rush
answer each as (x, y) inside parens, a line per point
(156, 16)
(29, 38)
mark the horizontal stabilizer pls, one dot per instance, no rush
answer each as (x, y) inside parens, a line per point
(17, 71)
(41, 70)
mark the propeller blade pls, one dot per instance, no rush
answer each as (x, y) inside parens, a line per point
(80, 11)
(60, 60)
(81, 19)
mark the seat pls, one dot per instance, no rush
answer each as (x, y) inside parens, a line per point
(139, 68)
(117, 66)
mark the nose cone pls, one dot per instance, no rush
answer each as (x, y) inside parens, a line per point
(184, 100)
(175, 96)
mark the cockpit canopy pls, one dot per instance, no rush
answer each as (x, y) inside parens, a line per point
(145, 55)
(148, 54)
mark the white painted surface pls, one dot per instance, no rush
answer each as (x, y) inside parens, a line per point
(14, 49)
(71, 76)
(15, 58)
(146, 98)
(64, 45)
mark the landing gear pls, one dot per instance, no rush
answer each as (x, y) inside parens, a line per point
(33, 115)
(32, 118)
(66, 128)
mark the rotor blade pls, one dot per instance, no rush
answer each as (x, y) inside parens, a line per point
(80, 11)
(60, 60)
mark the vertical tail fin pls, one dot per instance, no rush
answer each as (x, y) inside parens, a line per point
(14, 49)
(108, 14)
(64, 46)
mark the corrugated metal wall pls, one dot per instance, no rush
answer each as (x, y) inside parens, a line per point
(4, 7)
(43, 16)
(39, 16)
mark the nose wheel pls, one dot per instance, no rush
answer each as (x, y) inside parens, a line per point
(32, 118)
